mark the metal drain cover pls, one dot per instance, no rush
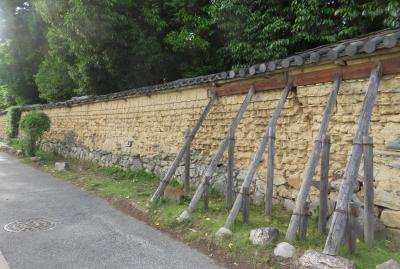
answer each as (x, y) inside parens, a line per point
(29, 225)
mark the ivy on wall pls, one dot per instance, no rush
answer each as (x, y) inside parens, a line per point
(13, 117)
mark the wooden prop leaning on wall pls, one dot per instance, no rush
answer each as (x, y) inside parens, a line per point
(339, 219)
(324, 185)
(270, 171)
(257, 159)
(231, 168)
(186, 183)
(213, 165)
(171, 171)
(368, 189)
(313, 161)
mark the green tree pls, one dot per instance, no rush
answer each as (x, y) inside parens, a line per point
(187, 35)
(253, 30)
(23, 46)
(266, 29)
(102, 44)
(57, 49)
(54, 81)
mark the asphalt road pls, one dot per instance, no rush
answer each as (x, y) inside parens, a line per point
(88, 232)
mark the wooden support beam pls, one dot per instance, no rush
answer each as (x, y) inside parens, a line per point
(368, 189)
(323, 185)
(313, 161)
(231, 167)
(278, 80)
(351, 227)
(187, 164)
(270, 171)
(213, 165)
(269, 82)
(205, 193)
(171, 171)
(303, 224)
(337, 228)
(245, 206)
(257, 158)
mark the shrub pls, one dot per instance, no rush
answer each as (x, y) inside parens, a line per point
(13, 117)
(34, 125)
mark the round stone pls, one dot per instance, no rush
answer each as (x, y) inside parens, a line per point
(184, 216)
(284, 250)
(223, 233)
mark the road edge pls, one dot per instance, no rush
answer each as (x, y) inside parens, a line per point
(3, 262)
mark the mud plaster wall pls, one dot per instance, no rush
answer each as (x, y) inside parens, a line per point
(3, 118)
(152, 127)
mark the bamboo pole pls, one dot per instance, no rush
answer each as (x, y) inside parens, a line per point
(313, 161)
(171, 171)
(257, 158)
(213, 165)
(337, 228)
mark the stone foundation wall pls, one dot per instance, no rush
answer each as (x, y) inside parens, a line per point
(157, 164)
(147, 132)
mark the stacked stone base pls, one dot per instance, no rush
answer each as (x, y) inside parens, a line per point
(158, 164)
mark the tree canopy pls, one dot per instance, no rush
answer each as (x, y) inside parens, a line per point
(54, 50)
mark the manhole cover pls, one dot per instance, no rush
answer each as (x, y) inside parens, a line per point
(29, 225)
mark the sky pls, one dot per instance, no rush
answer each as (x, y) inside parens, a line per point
(24, 6)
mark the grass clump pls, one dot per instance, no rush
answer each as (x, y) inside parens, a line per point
(16, 143)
